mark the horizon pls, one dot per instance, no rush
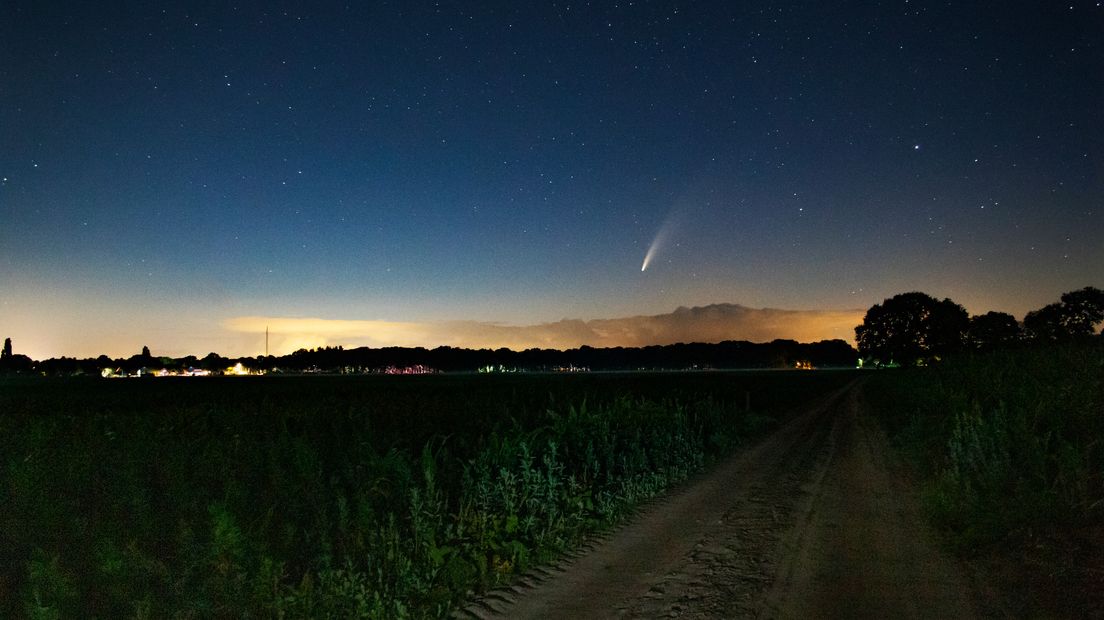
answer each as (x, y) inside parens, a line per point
(532, 173)
(708, 324)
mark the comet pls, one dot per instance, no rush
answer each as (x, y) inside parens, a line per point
(650, 254)
(657, 243)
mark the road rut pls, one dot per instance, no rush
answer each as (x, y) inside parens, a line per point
(813, 521)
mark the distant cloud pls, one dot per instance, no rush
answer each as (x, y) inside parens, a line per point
(713, 323)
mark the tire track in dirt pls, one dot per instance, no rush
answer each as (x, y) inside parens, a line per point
(861, 547)
(704, 550)
(814, 521)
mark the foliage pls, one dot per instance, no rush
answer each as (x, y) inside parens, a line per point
(371, 497)
(993, 330)
(13, 362)
(1007, 440)
(1075, 316)
(910, 328)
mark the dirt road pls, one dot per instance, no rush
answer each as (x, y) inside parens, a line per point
(813, 522)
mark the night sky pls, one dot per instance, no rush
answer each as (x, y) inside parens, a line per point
(167, 171)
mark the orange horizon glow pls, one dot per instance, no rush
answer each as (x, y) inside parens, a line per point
(240, 336)
(708, 324)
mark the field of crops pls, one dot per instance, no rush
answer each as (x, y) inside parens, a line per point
(338, 496)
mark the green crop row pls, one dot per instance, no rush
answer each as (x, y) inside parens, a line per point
(1005, 441)
(325, 497)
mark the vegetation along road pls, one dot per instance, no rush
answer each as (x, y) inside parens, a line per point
(815, 521)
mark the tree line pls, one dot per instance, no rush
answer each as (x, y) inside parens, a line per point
(722, 355)
(916, 328)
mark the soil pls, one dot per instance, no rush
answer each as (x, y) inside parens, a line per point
(817, 520)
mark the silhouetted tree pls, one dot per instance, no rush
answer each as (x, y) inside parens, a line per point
(214, 361)
(14, 362)
(1045, 323)
(912, 327)
(1083, 310)
(146, 352)
(993, 330)
(1075, 316)
(18, 363)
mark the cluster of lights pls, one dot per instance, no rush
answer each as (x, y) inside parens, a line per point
(235, 370)
(417, 369)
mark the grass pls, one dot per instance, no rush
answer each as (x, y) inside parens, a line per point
(338, 496)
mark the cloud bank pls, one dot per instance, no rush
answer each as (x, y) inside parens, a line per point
(713, 323)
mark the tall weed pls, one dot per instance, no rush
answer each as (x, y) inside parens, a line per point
(1006, 441)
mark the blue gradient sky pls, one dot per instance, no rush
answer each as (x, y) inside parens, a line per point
(165, 168)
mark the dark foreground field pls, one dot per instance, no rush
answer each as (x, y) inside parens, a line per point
(339, 496)
(975, 487)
